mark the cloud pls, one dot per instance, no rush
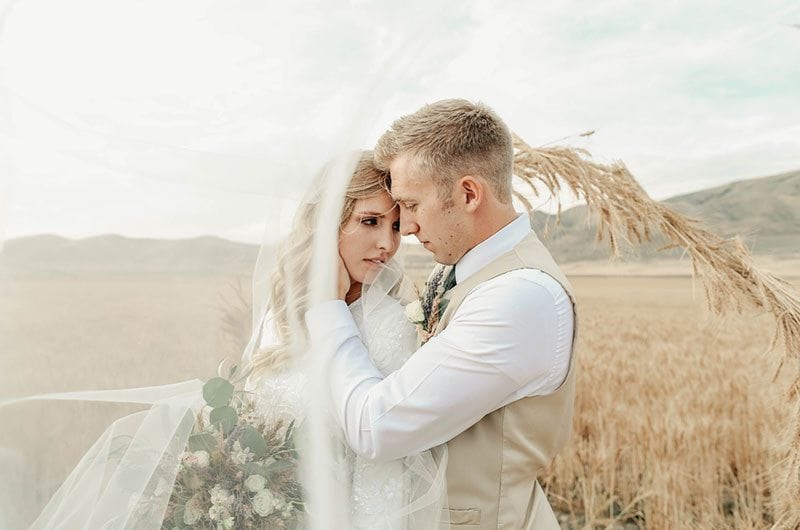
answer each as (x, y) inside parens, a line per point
(221, 100)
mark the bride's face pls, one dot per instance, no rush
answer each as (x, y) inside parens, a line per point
(370, 236)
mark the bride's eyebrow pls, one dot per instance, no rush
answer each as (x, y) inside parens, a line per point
(376, 214)
(371, 214)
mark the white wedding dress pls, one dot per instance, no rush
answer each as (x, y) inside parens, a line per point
(404, 494)
(377, 488)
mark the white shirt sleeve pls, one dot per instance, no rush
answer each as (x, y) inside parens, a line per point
(511, 337)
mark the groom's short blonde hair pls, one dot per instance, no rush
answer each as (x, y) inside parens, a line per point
(449, 139)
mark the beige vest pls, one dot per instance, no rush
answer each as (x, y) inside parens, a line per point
(493, 465)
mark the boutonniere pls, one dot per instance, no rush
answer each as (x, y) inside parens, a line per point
(426, 321)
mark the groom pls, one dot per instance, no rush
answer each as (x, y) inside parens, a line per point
(496, 380)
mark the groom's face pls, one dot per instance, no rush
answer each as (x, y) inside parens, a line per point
(439, 226)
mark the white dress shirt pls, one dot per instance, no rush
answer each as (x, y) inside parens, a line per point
(510, 338)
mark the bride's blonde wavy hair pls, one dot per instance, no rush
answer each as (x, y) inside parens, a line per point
(290, 279)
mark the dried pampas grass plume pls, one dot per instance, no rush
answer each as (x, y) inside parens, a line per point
(726, 267)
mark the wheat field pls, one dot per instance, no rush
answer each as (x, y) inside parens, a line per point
(675, 416)
(674, 420)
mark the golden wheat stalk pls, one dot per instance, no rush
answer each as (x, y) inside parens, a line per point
(726, 267)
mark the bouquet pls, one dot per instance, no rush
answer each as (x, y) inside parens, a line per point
(238, 470)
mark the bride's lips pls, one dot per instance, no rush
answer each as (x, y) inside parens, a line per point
(375, 262)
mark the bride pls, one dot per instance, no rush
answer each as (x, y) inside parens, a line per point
(408, 493)
(123, 486)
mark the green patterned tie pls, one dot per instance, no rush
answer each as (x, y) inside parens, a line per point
(450, 281)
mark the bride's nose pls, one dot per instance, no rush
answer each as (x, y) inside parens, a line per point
(386, 240)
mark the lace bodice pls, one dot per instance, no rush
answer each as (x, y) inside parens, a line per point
(378, 490)
(389, 336)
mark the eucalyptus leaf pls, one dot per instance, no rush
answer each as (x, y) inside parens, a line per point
(202, 441)
(256, 469)
(278, 466)
(253, 440)
(224, 417)
(218, 392)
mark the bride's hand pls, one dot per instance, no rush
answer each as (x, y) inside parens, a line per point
(344, 280)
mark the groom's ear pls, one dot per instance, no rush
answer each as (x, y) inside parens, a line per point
(472, 192)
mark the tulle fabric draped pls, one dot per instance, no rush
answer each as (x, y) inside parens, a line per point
(425, 504)
(124, 480)
(404, 494)
(171, 107)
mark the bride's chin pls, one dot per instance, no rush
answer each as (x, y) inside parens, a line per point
(370, 275)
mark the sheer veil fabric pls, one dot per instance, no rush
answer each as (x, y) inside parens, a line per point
(115, 117)
(407, 493)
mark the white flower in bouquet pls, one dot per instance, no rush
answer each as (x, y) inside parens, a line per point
(202, 459)
(198, 459)
(264, 503)
(255, 483)
(218, 513)
(220, 497)
(241, 455)
(414, 312)
(253, 418)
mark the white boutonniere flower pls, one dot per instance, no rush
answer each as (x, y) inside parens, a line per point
(426, 312)
(414, 312)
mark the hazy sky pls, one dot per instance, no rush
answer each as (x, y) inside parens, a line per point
(161, 119)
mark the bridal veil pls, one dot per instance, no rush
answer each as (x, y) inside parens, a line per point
(170, 120)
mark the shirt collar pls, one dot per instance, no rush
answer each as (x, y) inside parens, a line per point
(492, 248)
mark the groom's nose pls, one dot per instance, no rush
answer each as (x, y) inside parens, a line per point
(408, 226)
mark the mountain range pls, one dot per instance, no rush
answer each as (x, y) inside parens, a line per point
(764, 211)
